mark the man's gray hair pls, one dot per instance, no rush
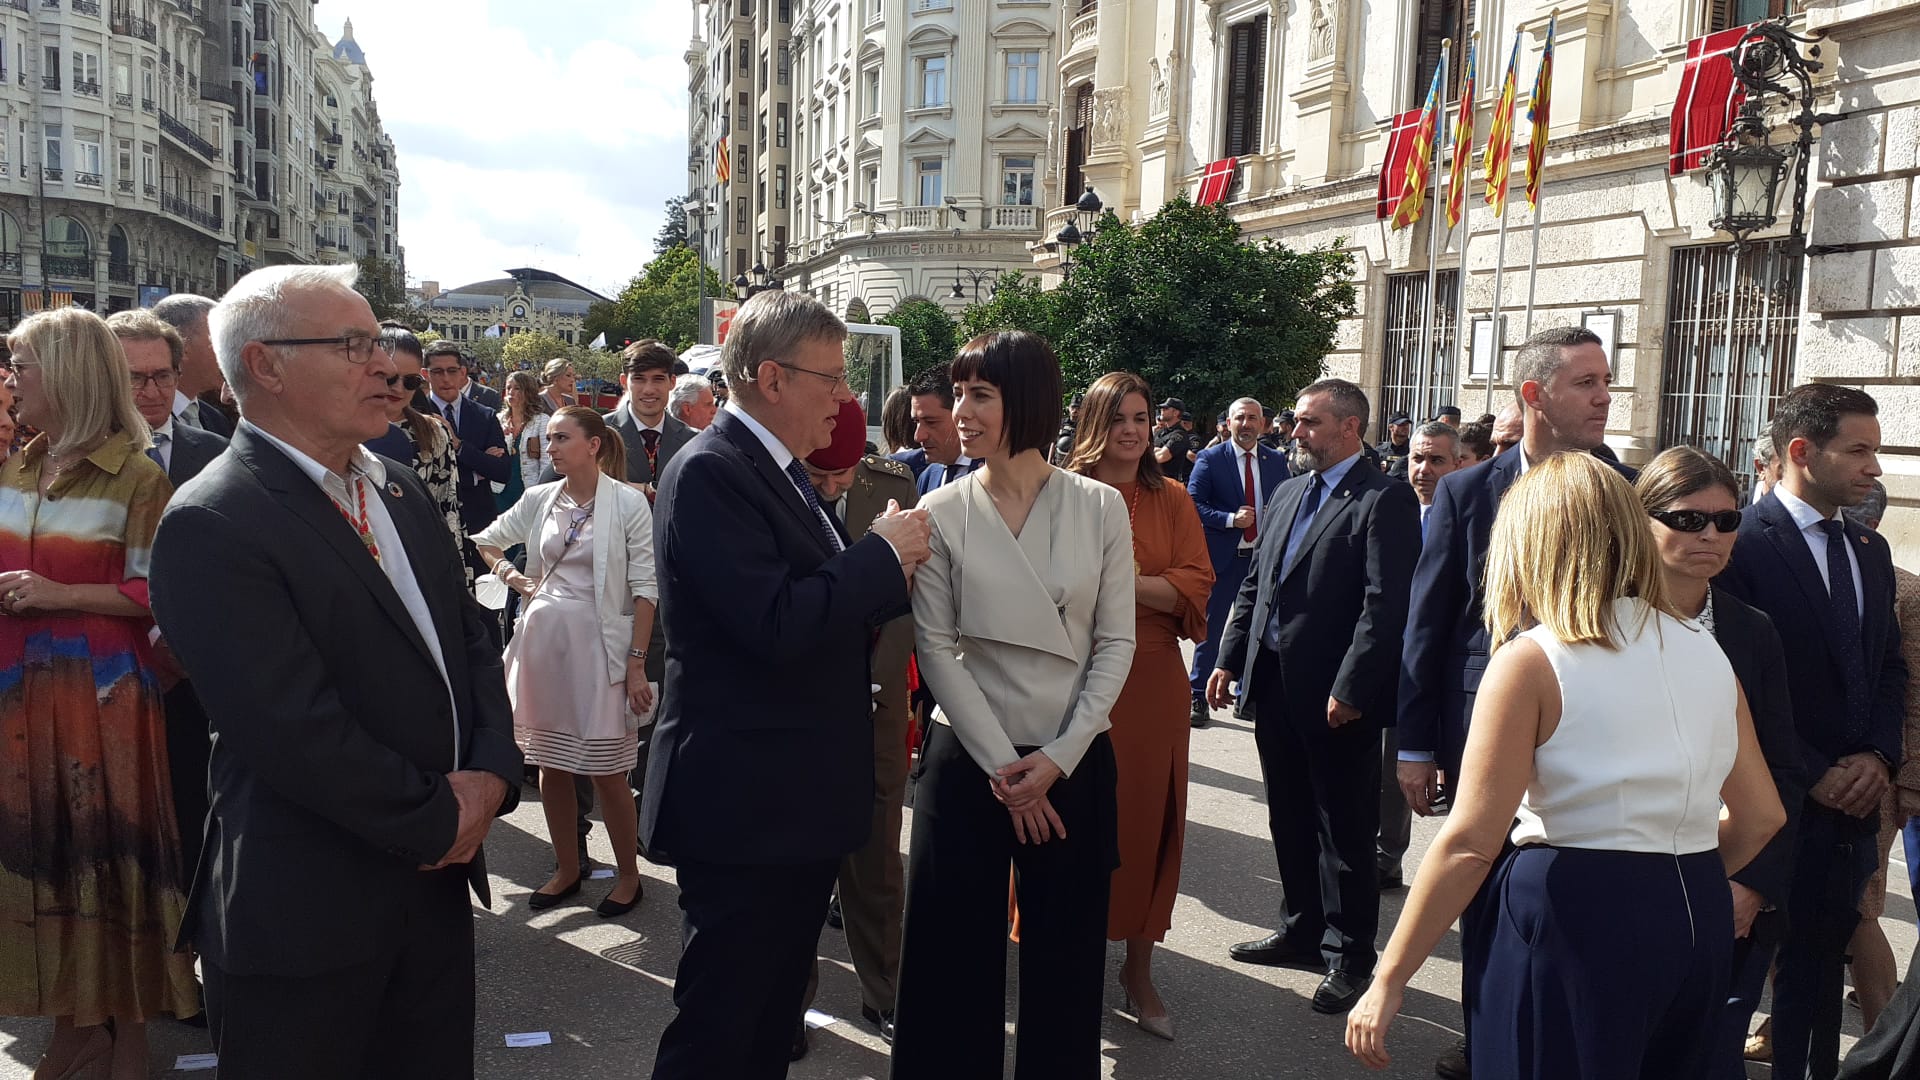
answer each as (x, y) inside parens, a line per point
(1763, 449)
(183, 311)
(1545, 353)
(257, 309)
(773, 325)
(1344, 399)
(686, 390)
(1237, 402)
(1437, 430)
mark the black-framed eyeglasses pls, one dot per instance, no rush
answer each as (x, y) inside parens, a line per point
(837, 380)
(165, 380)
(358, 347)
(410, 382)
(1693, 521)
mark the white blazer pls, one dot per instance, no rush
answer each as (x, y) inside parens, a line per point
(1026, 641)
(622, 554)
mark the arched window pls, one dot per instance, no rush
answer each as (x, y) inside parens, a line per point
(119, 255)
(9, 234)
(67, 238)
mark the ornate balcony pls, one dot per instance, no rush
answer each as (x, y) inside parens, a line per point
(9, 262)
(180, 208)
(89, 179)
(1013, 218)
(124, 101)
(90, 89)
(119, 270)
(186, 137)
(68, 266)
(86, 7)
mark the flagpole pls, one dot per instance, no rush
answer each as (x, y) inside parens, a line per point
(1533, 263)
(1424, 381)
(1499, 279)
(1539, 126)
(1462, 330)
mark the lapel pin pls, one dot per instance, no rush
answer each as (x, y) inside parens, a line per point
(393, 489)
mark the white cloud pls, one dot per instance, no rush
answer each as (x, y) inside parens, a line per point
(546, 135)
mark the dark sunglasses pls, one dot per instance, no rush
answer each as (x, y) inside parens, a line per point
(411, 382)
(1693, 521)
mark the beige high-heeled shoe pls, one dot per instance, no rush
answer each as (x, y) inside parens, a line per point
(1160, 1027)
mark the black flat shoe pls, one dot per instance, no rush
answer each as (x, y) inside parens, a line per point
(882, 1019)
(610, 908)
(1275, 950)
(1339, 992)
(801, 1044)
(541, 901)
(1199, 715)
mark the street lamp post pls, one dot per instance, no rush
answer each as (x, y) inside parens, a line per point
(1071, 236)
(976, 276)
(762, 281)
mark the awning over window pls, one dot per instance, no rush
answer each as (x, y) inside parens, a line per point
(1393, 171)
(1216, 181)
(1708, 99)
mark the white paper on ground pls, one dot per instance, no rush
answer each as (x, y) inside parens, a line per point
(529, 1038)
(818, 1019)
(599, 874)
(195, 1062)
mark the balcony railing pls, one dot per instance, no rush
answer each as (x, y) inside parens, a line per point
(144, 29)
(1083, 29)
(86, 7)
(50, 82)
(213, 91)
(333, 139)
(186, 137)
(54, 4)
(147, 104)
(52, 174)
(68, 266)
(10, 262)
(149, 189)
(18, 5)
(1013, 218)
(124, 101)
(89, 179)
(178, 207)
(126, 184)
(91, 89)
(364, 221)
(119, 270)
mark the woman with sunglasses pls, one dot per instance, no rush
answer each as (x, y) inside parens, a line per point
(577, 666)
(1693, 502)
(414, 437)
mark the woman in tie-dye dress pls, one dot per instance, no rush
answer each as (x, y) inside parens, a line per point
(91, 881)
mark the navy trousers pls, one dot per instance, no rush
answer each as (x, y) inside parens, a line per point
(1226, 585)
(1752, 959)
(1601, 965)
(1835, 857)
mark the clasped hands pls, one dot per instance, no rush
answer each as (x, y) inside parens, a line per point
(909, 531)
(478, 795)
(1022, 788)
(1854, 785)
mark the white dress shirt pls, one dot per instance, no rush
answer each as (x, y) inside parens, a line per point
(783, 457)
(186, 409)
(163, 445)
(1808, 520)
(393, 559)
(448, 410)
(1255, 498)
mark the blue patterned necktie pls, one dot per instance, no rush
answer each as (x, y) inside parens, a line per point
(805, 484)
(159, 440)
(1844, 609)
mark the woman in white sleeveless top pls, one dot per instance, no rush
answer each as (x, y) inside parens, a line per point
(1607, 736)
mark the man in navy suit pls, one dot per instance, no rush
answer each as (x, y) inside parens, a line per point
(1828, 585)
(1562, 382)
(933, 429)
(480, 447)
(196, 400)
(756, 788)
(1230, 485)
(1314, 640)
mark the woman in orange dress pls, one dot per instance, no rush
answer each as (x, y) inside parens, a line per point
(1150, 722)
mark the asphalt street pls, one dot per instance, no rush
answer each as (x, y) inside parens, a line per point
(601, 988)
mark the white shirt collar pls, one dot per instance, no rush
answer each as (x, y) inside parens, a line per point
(1333, 474)
(781, 455)
(181, 403)
(165, 431)
(440, 404)
(1804, 516)
(363, 462)
(660, 427)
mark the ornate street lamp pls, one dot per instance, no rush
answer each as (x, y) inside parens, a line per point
(1071, 237)
(1744, 179)
(1745, 171)
(976, 276)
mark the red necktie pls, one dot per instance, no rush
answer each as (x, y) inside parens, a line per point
(1252, 531)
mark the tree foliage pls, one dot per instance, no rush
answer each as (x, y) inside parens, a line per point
(662, 301)
(1187, 303)
(927, 335)
(386, 291)
(532, 349)
(673, 231)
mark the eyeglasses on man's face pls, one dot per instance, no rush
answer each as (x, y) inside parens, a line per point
(838, 379)
(165, 379)
(358, 347)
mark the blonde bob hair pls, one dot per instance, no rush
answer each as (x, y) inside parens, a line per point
(83, 373)
(1571, 539)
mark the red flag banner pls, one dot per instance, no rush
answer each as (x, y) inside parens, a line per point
(1393, 170)
(722, 163)
(1539, 109)
(1216, 182)
(1708, 99)
(1499, 159)
(1462, 144)
(1426, 136)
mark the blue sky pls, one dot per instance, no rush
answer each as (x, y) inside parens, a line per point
(545, 134)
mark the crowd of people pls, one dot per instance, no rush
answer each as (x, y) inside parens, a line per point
(265, 718)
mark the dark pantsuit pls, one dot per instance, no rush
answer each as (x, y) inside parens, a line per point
(747, 945)
(1602, 965)
(1323, 808)
(951, 1012)
(1396, 817)
(1836, 857)
(408, 1014)
(188, 746)
(1752, 959)
(1226, 585)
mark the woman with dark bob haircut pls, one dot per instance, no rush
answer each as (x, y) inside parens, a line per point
(1024, 616)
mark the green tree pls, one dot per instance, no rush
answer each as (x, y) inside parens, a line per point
(386, 291)
(1198, 311)
(927, 335)
(531, 349)
(1017, 303)
(662, 301)
(673, 231)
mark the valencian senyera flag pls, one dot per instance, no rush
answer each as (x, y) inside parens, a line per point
(1500, 135)
(1413, 194)
(1462, 146)
(1537, 111)
(722, 162)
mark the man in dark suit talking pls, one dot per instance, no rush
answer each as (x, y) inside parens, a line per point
(1314, 641)
(756, 788)
(362, 739)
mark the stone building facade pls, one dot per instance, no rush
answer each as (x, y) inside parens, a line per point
(526, 299)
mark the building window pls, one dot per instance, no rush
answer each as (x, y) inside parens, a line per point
(1440, 19)
(1715, 398)
(1406, 319)
(763, 129)
(786, 10)
(1016, 181)
(781, 64)
(1246, 85)
(53, 161)
(1727, 14)
(123, 162)
(1077, 138)
(146, 167)
(779, 187)
(50, 71)
(870, 92)
(929, 171)
(740, 214)
(746, 55)
(780, 124)
(1023, 77)
(933, 82)
(88, 163)
(870, 184)
(740, 260)
(86, 73)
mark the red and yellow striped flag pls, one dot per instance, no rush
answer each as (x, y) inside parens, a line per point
(1413, 194)
(1462, 144)
(722, 161)
(1537, 111)
(1499, 157)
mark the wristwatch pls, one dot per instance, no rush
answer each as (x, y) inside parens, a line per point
(637, 654)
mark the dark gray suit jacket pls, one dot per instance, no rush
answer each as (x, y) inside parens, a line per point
(484, 396)
(193, 450)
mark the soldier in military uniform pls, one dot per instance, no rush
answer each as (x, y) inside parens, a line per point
(1393, 450)
(855, 487)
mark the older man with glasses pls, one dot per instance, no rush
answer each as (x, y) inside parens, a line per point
(362, 736)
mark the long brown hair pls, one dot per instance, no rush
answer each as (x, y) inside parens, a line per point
(532, 402)
(1097, 411)
(612, 456)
